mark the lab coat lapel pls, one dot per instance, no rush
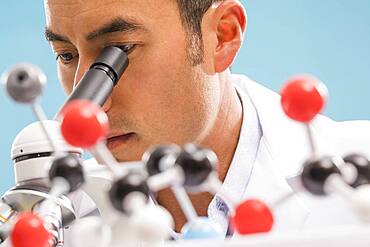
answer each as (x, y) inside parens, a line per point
(285, 139)
(268, 185)
(282, 151)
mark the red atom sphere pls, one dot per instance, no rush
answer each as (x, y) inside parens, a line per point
(84, 124)
(29, 231)
(252, 216)
(303, 97)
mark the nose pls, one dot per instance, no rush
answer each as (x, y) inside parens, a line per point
(83, 67)
(84, 63)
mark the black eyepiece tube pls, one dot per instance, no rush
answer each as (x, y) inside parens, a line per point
(98, 82)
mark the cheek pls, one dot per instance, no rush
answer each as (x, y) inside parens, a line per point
(156, 76)
(165, 97)
(163, 85)
(66, 80)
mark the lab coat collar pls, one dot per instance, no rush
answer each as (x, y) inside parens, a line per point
(285, 139)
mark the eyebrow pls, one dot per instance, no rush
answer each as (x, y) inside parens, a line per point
(51, 36)
(116, 25)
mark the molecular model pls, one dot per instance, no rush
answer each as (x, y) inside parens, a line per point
(49, 168)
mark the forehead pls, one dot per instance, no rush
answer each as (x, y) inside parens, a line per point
(96, 11)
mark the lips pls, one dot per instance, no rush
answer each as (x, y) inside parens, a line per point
(117, 140)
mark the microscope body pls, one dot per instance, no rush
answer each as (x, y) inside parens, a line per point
(32, 156)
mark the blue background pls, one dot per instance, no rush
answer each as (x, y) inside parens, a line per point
(330, 39)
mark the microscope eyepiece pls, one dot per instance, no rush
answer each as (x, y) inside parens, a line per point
(98, 82)
(114, 59)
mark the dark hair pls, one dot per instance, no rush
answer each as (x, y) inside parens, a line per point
(192, 12)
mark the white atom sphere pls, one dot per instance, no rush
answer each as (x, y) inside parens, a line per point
(91, 232)
(152, 223)
(361, 202)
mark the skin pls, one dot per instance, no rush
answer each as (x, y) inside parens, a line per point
(162, 97)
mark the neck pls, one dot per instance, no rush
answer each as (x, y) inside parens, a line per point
(222, 138)
(224, 135)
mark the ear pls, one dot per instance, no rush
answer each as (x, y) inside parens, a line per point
(231, 22)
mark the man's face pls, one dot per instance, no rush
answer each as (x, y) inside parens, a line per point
(161, 98)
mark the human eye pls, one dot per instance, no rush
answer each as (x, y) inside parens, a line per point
(127, 48)
(66, 57)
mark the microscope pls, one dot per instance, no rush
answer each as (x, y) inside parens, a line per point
(40, 143)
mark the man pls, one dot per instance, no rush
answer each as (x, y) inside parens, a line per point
(178, 89)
